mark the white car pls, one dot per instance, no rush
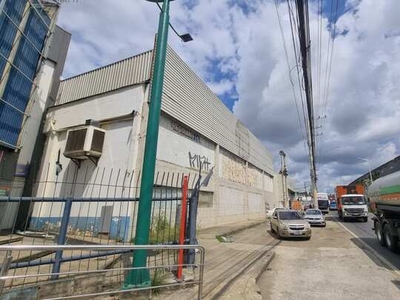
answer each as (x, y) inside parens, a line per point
(271, 211)
(315, 217)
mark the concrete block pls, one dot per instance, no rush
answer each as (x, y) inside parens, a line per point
(91, 283)
(58, 288)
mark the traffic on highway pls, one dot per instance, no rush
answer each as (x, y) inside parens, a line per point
(371, 214)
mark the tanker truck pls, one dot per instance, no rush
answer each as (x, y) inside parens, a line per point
(384, 197)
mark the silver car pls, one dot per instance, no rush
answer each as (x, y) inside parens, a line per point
(290, 224)
(315, 217)
(272, 211)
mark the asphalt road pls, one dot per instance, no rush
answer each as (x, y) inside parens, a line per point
(333, 264)
(365, 233)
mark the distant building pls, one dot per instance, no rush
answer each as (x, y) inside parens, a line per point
(196, 131)
(32, 55)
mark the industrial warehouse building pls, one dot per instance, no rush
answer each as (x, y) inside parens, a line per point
(197, 131)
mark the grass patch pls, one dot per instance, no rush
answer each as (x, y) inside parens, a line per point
(220, 238)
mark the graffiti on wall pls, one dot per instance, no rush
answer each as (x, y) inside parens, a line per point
(185, 131)
(197, 161)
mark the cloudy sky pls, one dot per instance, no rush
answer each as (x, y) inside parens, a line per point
(238, 51)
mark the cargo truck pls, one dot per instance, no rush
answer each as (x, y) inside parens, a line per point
(351, 202)
(384, 197)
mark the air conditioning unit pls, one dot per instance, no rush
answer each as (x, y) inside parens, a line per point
(84, 142)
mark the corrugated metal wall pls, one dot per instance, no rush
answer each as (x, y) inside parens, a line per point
(21, 75)
(133, 70)
(185, 97)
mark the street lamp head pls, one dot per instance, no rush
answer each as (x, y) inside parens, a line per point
(186, 37)
(282, 153)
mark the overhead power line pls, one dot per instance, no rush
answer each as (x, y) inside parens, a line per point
(331, 37)
(303, 129)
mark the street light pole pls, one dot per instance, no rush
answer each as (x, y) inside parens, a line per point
(369, 167)
(141, 277)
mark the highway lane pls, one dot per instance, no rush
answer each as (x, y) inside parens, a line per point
(365, 233)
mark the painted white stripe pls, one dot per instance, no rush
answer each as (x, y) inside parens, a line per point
(388, 264)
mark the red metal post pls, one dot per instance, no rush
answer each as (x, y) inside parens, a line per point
(183, 226)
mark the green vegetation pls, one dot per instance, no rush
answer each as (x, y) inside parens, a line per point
(161, 231)
(159, 278)
(220, 238)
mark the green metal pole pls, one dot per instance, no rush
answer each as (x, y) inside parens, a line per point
(141, 277)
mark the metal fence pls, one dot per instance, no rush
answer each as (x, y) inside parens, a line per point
(93, 281)
(93, 207)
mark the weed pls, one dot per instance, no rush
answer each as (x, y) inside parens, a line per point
(161, 231)
(159, 278)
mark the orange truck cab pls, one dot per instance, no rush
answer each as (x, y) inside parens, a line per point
(296, 204)
(351, 202)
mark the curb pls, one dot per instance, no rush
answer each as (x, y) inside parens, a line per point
(246, 286)
(265, 266)
(237, 230)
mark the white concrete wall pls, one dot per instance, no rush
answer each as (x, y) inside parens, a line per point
(254, 177)
(110, 105)
(184, 147)
(232, 168)
(231, 203)
(114, 168)
(113, 175)
(36, 109)
(256, 204)
(238, 191)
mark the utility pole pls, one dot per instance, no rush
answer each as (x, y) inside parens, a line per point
(284, 174)
(305, 49)
(369, 168)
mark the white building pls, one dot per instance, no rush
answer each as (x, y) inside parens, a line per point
(195, 126)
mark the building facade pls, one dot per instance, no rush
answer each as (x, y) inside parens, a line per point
(197, 134)
(32, 55)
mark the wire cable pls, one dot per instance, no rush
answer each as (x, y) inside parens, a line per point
(289, 69)
(331, 44)
(293, 26)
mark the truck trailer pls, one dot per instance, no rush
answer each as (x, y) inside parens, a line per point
(384, 197)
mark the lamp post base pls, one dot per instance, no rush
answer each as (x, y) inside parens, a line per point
(137, 279)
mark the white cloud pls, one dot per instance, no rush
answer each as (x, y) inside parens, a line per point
(222, 87)
(245, 45)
